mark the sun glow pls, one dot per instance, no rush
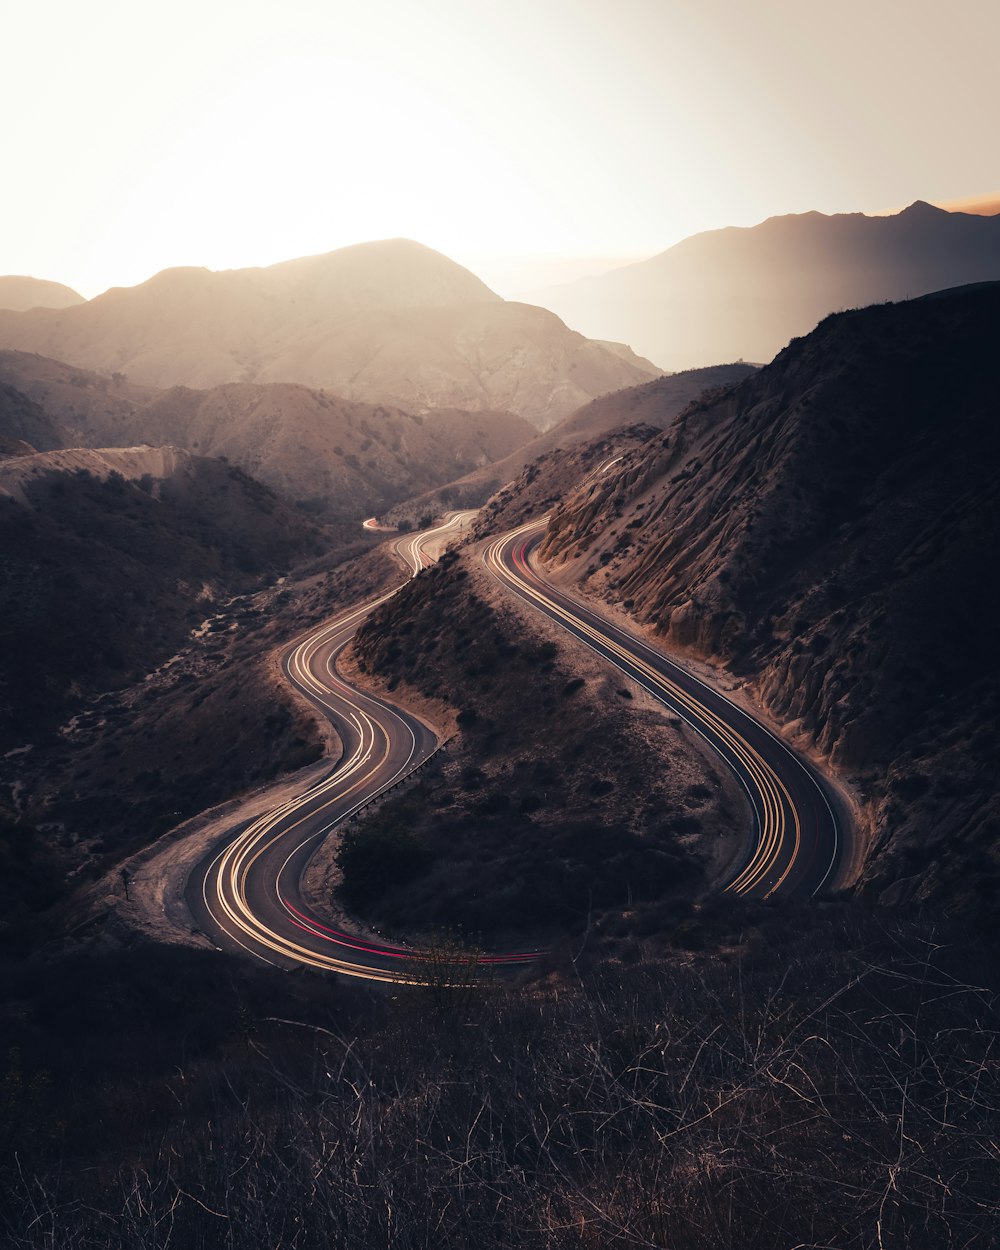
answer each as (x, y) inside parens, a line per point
(245, 133)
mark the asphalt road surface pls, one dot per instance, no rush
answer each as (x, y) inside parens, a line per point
(246, 895)
(797, 843)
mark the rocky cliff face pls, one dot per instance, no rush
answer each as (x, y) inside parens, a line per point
(828, 529)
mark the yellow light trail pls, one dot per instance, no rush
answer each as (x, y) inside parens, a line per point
(777, 817)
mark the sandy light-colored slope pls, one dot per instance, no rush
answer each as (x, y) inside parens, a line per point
(743, 293)
(131, 463)
(389, 322)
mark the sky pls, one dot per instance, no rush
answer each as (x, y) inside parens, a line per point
(532, 140)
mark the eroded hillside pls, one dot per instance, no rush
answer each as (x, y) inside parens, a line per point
(654, 404)
(826, 529)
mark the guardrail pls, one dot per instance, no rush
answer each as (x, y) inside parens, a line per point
(379, 795)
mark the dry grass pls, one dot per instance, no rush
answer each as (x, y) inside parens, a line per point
(842, 1091)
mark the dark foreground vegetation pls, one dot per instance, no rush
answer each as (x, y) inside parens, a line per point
(102, 580)
(814, 1077)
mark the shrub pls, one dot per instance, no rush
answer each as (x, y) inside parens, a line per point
(379, 853)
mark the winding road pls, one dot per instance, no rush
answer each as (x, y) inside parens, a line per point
(247, 894)
(797, 843)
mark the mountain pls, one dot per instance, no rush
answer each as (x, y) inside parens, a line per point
(337, 457)
(19, 294)
(827, 530)
(391, 322)
(133, 547)
(653, 404)
(743, 293)
(316, 447)
(25, 424)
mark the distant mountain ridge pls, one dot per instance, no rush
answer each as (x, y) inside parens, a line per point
(742, 293)
(19, 293)
(389, 322)
(827, 529)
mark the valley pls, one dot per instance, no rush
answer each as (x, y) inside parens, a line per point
(475, 806)
(249, 894)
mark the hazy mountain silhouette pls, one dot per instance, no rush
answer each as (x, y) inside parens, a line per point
(387, 322)
(18, 294)
(340, 458)
(743, 293)
(827, 528)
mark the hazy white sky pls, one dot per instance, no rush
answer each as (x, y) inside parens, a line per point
(140, 134)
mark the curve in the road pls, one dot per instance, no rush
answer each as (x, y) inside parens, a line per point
(797, 843)
(247, 894)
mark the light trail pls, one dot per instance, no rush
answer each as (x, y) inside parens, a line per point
(248, 892)
(796, 842)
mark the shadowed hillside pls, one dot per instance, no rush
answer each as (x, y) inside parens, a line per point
(24, 425)
(110, 558)
(827, 528)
